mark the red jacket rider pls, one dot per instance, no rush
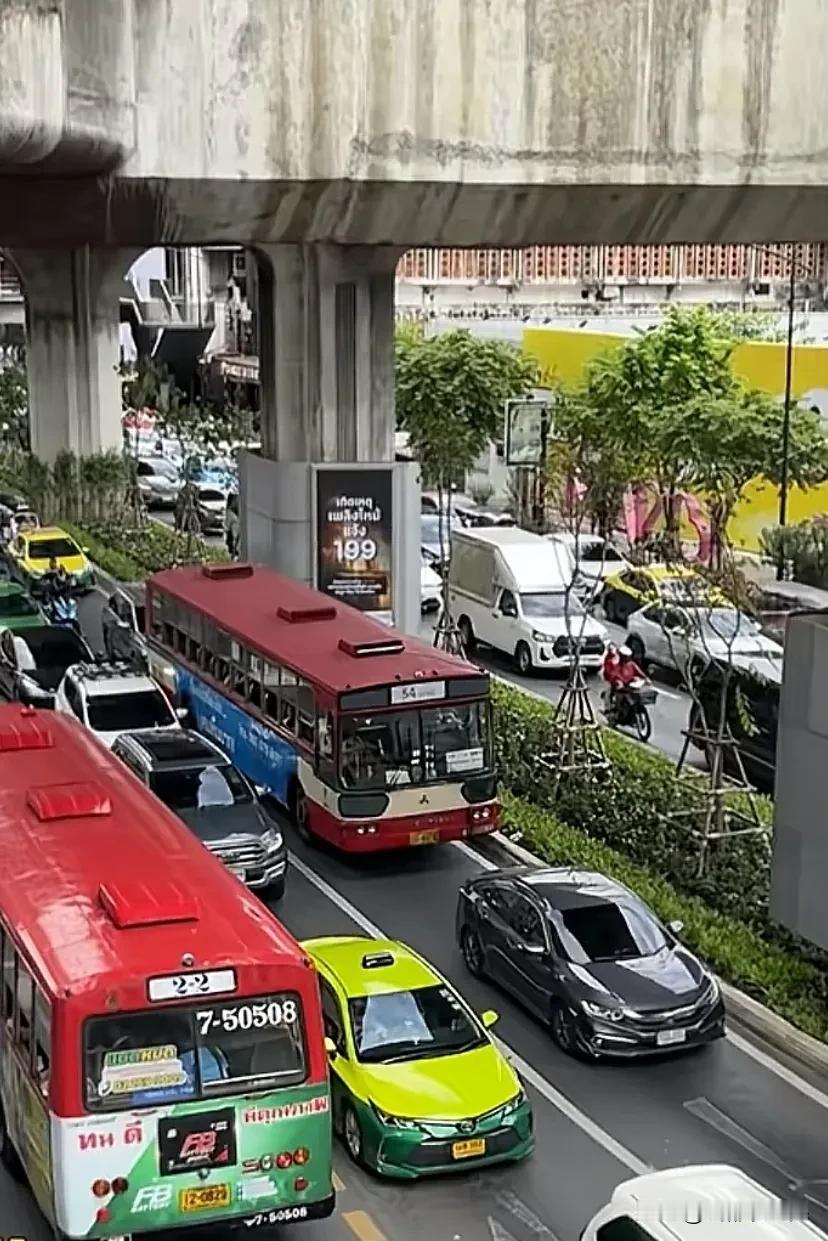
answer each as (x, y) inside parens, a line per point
(620, 669)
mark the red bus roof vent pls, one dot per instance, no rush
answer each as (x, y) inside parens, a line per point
(131, 904)
(25, 731)
(300, 616)
(363, 650)
(51, 802)
(217, 571)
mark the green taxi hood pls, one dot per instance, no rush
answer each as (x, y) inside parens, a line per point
(16, 623)
(442, 1088)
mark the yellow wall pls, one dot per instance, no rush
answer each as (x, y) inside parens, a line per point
(563, 354)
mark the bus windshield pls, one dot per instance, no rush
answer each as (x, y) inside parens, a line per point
(182, 1054)
(414, 746)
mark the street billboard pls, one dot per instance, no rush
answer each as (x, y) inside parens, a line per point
(355, 535)
(527, 427)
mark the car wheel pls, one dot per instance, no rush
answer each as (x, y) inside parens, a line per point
(301, 814)
(637, 647)
(523, 659)
(275, 891)
(467, 635)
(473, 954)
(562, 1025)
(352, 1134)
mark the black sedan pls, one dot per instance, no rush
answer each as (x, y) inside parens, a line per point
(590, 959)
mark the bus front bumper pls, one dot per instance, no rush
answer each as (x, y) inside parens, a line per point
(378, 835)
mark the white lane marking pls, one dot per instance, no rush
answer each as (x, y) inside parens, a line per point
(731, 1129)
(737, 1040)
(521, 1066)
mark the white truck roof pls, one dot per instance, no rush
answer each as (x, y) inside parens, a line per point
(531, 561)
(728, 1203)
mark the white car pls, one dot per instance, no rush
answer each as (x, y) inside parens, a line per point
(596, 558)
(110, 699)
(674, 636)
(431, 588)
(547, 630)
(158, 481)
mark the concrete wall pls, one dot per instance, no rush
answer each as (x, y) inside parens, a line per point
(280, 120)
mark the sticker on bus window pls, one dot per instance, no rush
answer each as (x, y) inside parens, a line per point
(424, 691)
(185, 986)
(464, 760)
(147, 1071)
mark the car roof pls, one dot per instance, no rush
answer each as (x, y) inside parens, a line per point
(97, 679)
(343, 957)
(176, 748)
(47, 532)
(563, 887)
(659, 571)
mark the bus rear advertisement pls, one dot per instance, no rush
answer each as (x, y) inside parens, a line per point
(161, 1039)
(369, 739)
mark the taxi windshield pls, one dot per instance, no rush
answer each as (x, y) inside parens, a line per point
(414, 746)
(45, 549)
(412, 1025)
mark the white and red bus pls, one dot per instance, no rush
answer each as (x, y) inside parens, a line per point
(370, 739)
(162, 1053)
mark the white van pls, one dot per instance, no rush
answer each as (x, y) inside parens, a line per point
(507, 589)
(672, 1204)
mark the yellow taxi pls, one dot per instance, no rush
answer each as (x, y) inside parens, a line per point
(31, 552)
(635, 587)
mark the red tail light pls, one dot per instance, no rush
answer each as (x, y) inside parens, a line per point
(100, 1188)
(284, 1160)
(102, 1215)
(300, 1184)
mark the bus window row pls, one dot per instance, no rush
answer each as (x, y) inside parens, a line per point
(26, 1013)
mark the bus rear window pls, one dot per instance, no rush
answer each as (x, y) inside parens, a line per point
(179, 1054)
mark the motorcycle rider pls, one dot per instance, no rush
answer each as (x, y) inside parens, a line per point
(55, 581)
(619, 670)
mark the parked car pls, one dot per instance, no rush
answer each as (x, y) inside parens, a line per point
(159, 481)
(752, 714)
(110, 699)
(596, 558)
(588, 957)
(17, 610)
(435, 540)
(211, 506)
(123, 622)
(197, 781)
(626, 592)
(431, 588)
(30, 552)
(510, 589)
(679, 637)
(33, 663)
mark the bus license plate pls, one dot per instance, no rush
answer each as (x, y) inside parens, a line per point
(466, 1150)
(204, 1198)
(424, 838)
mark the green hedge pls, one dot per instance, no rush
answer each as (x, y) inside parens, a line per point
(130, 555)
(626, 808)
(782, 980)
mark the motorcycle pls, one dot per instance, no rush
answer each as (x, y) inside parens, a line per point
(62, 609)
(627, 707)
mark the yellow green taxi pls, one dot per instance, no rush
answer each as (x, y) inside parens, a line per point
(418, 1086)
(31, 551)
(636, 586)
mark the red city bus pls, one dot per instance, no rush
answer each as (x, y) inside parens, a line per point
(370, 739)
(161, 1040)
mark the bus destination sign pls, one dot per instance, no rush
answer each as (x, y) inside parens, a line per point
(419, 691)
(186, 986)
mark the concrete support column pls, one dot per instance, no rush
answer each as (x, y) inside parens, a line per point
(326, 350)
(73, 347)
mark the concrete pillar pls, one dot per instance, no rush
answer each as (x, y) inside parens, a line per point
(73, 347)
(326, 352)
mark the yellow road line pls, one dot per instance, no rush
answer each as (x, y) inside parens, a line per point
(338, 1184)
(362, 1226)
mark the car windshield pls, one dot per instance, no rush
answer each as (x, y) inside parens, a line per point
(165, 469)
(430, 527)
(45, 549)
(412, 1025)
(726, 624)
(16, 604)
(112, 713)
(550, 604)
(607, 931)
(415, 746)
(201, 788)
(599, 553)
(176, 1054)
(209, 496)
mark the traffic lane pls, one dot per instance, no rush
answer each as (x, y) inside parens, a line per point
(90, 607)
(718, 1104)
(669, 713)
(20, 1213)
(551, 1195)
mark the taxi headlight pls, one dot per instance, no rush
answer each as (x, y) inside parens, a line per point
(393, 1122)
(515, 1104)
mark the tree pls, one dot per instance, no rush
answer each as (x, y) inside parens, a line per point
(14, 407)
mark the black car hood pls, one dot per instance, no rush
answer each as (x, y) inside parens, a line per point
(46, 678)
(671, 977)
(220, 822)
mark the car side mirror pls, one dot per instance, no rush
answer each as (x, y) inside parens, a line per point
(533, 950)
(676, 926)
(489, 1018)
(85, 551)
(181, 713)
